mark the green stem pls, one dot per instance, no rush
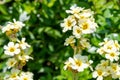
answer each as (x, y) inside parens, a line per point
(75, 76)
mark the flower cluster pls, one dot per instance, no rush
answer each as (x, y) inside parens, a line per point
(110, 67)
(12, 27)
(17, 51)
(110, 48)
(105, 69)
(18, 75)
(81, 23)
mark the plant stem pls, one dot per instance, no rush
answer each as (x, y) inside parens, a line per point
(75, 76)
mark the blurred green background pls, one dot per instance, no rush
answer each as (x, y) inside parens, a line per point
(43, 32)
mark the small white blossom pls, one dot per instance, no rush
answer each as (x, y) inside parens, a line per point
(24, 57)
(68, 63)
(68, 23)
(92, 49)
(69, 40)
(88, 27)
(74, 9)
(112, 56)
(99, 73)
(77, 32)
(11, 62)
(84, 43)
(23, 17)
(26, 76)
(13, 76)
(23, 44)
(12, 49)
(17, 24)
(79, 63)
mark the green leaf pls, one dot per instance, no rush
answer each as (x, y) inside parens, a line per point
(114, 36)
(107, 13)
(3, 9)
(95, 41)
(52, 32)
(49, 3)
(2, 65)
(51, 48)
(29, 50)
(28, 7)
(59, 77)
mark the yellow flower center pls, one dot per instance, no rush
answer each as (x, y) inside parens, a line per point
(105, 64)
(78, 31)
(99, 72)
(109, 47)
(25, 78)
(69, 23)
(108, 71)
(13, 76)
(70, 40)
(82, 17)
(112, 54)
(12, 49)
(11, 63)
(114, 68)
(85, 26)
(78, 63)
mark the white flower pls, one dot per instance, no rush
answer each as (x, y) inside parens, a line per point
(79, 63)
(109, 46)
(26, 76)
(77, 32)
(115, 70)
(17, 24)
(84, 43)
(11, 62)
(12, 49)
(112, 56)
(24, 57)
(105, 42)
(8, 27)
(69, 40)
(87, 13)
(23, 17)
(68, 63)
(115, 67)
(104, 63)
(23, 44)
(88, 27)
(74, 9)
(108, 71)
(14, 74)
(68, 23)
(99, 73)
(101, 51)
(92, 49)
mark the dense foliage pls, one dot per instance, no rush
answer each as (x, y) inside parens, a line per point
(43, 32)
